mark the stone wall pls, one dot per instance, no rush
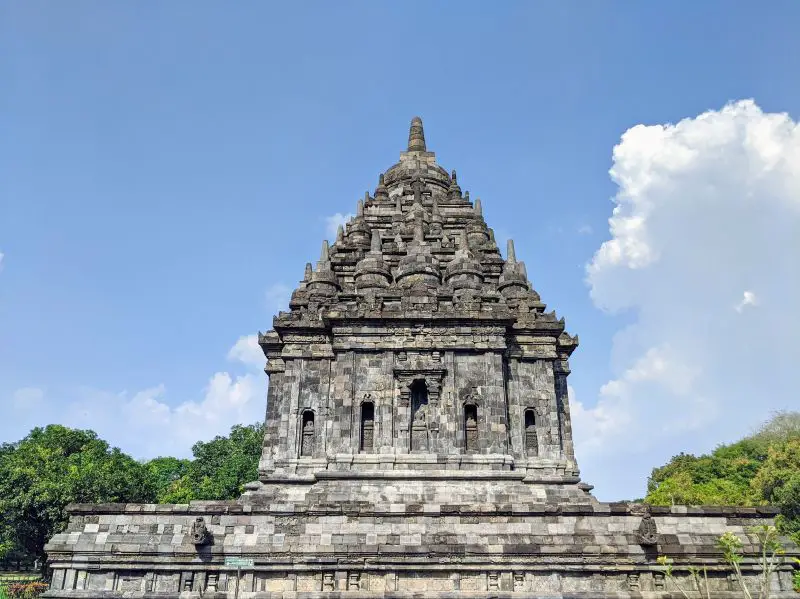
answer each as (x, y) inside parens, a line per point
(393, 550)
(486, 387)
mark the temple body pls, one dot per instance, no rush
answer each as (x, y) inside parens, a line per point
(418, 443)
(414, 345)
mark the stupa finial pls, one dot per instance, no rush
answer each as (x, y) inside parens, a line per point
(324, 255)
(416, 136)
(339, 234)
(307, 273)
(510, 254)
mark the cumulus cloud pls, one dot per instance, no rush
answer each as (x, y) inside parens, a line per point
(332, 223)
(247, 351)
(144, 423)
(705, 209)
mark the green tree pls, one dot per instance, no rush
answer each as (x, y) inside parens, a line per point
(55, 466)
(778, 482)
(221, 467)
(763, 468)
(165, 472)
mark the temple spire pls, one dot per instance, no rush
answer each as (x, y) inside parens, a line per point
(510, 254)
(324, 255)
(416, 136)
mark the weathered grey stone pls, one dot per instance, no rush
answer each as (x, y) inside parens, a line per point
(418, 442)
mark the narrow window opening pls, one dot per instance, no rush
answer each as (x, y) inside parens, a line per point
(367, 425)
(419, 416)
(531, 440)
(470, 427)
(307, 443)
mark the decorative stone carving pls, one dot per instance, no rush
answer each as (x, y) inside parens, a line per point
(199, 533)
(531, 437)
(659, 581)
(367, 424)
(419, 423)
(493, 581)
(307, 444)
(470, 429)
(647, 532)
(353, 581)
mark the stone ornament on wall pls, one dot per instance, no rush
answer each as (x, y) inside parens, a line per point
(200, 533)
(307, 434)
(432, 377)
(647, 532)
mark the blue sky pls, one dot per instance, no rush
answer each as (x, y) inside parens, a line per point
(166, 170)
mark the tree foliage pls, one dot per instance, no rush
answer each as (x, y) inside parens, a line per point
(220, 468)
(763, 468)
(164, 473)
(55, 466)
(778, 482)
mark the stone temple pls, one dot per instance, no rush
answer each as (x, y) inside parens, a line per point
(418, 442)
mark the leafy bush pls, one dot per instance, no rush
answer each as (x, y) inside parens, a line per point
(26, 590)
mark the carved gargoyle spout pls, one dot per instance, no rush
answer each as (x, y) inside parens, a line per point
(200, 533)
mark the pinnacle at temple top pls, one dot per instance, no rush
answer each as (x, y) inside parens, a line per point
(416, 136)
(417, 245)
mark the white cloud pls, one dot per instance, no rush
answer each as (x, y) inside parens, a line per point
(585, 230)
(705, 208)
(332, 223)
(748, 299)
(248, 351)
(143, 423)
(277, 298)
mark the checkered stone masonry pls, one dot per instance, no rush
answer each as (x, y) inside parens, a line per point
(417, 443)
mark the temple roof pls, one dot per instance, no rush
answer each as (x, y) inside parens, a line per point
(417, 244)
